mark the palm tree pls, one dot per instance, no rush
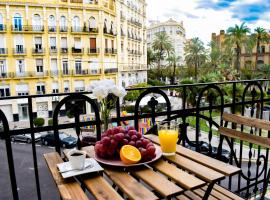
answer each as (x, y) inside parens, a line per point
(260, 36)
(173, 60)
(264, 72)
(215, 54)
(162, 46)
(151, 57)
(195, 54)
(238, 36)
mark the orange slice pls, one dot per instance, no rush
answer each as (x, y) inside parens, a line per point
(130, 154)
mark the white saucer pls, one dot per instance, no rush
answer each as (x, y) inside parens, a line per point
(91, 166)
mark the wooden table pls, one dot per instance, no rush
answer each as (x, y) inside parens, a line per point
(187, 175)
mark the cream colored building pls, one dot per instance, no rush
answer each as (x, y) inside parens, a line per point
(132, 45)
(176, 32)
(55, 46)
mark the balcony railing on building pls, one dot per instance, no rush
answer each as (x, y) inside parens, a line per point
(53, 50)
(3, 51)
(63, 29)
(52, 29)
(38, 51)
(29, 28)
(111, 70)
(109, 32)
(64, 50)
(31, 74)
(108, 50)
(93, 50)
(6, 75)
(20, 51)
(77, 50)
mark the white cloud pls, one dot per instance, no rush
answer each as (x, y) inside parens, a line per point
(200, 22)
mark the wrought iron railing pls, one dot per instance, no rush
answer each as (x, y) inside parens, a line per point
(195, 103)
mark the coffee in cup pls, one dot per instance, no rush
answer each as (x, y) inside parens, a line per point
(77, 159)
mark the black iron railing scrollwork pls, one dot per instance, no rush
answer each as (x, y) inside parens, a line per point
(201, 104)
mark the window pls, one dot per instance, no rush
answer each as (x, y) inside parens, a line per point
(64, 43)
(20, 67)
(51, 23)
(77, 43)
(17, 22)
(78, 67)
(54, 69)
(22, 89)
(1, 23)
(55, 87)
(93, 44)
(4, 91)
(53, 43)
(66, 86)
(38, 44)
(262, 49)
(3, 70)
(105, 26)
(106, 43)
(39, 65)
(112, 42)
(92, 23)
(63, 24)
(37, 24)
(40, 88)
(76, 24)
(65, 67)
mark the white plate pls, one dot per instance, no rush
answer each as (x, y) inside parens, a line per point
(64, 168)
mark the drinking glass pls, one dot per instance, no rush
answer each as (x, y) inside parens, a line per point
(168, 137)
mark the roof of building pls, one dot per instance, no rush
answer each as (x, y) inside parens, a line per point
(170, 22)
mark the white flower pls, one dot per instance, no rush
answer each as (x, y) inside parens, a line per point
(93, 85)
(100, 92)
(119, 92)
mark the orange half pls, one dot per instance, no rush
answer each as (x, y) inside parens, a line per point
(130, 154)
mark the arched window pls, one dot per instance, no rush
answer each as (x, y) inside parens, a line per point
(1, 22)
(92, 23)
(112, 28)
(63, 24)
(76, 24)
(17, 22)
(36, 22)
(260, 62)
(105, 26)
(51, 23)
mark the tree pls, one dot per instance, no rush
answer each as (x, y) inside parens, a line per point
(259, 37)
(264, 72)
(195, 54)
(162, 47)
(38, 122)
(151, 57)
(238, 36)
(215, 54)
(173, 60)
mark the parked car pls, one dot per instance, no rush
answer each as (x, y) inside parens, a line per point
(25, 137)
(88, 140)
(66, 141)
(204, 149)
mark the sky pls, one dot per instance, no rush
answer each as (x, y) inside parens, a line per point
(201, 18)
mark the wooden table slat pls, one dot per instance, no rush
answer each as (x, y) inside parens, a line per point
(68, 188)
(199, 170)
(201, 193)
(227, 192)
(181, 177)
(217, 194)
(212, 163)
(192, 195)
(158, 182)
(129, 185)
(100, 188)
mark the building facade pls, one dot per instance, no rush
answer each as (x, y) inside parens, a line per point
(176, 33)
(247, 58)
(56, 46)
(132, 45)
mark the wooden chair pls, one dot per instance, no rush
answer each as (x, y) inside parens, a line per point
(239, 137)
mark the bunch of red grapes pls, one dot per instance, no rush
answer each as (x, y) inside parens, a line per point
(113, 139)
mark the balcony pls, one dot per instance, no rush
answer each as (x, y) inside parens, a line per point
(53, 50)
(200, 116)
(38, 51)
(109, 32)
(111, 71)
(3, 51)
(30, 74)
(93, 51)
(64, 50)
(19, 52)
(27, 29)
(77, 51)
(108, 50)
(6, 75)
(52, 29)
(63, 29)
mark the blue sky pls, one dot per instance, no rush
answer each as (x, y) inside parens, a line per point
(202, 17)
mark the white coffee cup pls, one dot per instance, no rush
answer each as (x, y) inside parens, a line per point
(77, 159)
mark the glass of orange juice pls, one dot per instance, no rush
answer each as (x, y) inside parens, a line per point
(168, 137)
